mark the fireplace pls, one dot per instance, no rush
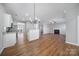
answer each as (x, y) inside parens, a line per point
(56, 31)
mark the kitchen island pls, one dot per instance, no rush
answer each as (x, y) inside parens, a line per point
(33, 34)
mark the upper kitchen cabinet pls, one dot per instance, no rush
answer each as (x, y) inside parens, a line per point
(5, 19)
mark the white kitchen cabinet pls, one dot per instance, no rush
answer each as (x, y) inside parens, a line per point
(9, 39)
(5, 19)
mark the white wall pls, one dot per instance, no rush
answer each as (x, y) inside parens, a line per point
(1, 40)
(49, 28)
(78, 24)
(45, 28)
(71, 25)
(29, 26)
(78, 29)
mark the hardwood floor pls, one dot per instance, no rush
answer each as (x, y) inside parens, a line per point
(46, 45)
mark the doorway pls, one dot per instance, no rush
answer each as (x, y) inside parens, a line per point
(20, 32)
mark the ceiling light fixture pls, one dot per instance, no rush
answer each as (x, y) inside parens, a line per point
(28, 18)
(52, 22)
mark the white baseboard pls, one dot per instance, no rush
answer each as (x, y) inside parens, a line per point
(72, 43)
(1, 50)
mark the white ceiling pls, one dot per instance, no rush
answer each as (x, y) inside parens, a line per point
(43, 11)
